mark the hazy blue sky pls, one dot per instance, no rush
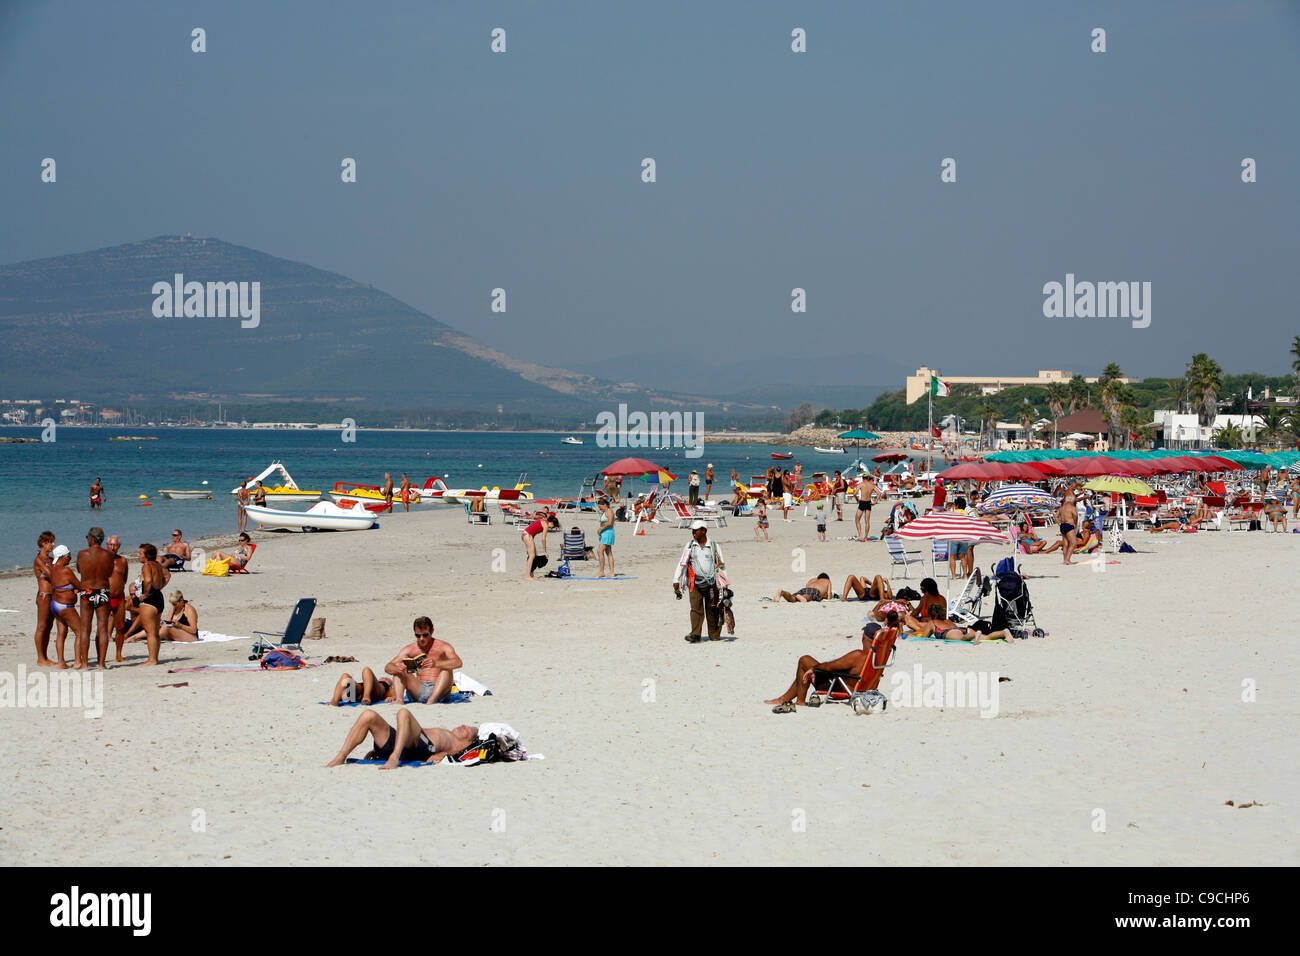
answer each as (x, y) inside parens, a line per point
(775, 169)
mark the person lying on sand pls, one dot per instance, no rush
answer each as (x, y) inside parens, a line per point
(372, 688)
(408, 741)
(424, 669)
(818, 589)
(809, 671)
(950, 631)
(866, 588)
(889, 606)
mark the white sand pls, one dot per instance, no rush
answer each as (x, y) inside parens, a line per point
(1133, 706)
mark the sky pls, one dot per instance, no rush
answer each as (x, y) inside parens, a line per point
(775, 170)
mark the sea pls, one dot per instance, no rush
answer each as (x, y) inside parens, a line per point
(46, 485)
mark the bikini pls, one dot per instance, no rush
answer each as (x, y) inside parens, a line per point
(60, 608)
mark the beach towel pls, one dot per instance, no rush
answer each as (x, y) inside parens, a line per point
(212, 637)
(460, 681)
(617, 577)
(234, 667)
(449, 762)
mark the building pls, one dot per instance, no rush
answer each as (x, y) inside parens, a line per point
(1174, 430)
(918, 385)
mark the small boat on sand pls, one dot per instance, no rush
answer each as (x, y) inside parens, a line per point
(322, 516)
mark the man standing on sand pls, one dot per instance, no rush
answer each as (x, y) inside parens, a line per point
(95, 567)
(693, 484)
(866, 495)
(117, 594)
(838, 487)
(408, 741)
(605, 547)
(97, 496)
(787, 494)
(425, 668)
(241, 500)
(1068, 517)
(404, 491)
(700, 564)
(708, 482)
(388, 491)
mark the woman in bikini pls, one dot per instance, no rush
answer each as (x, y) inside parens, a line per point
(238, 557)
(63, 600)
(182, 622)
(529, 536)
(44, 592)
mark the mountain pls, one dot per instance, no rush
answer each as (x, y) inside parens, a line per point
(85, 323)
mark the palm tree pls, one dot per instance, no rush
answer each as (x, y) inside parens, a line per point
(1276, 426)
(1295, 363)
(1111, 407)
(1057, 395)
(1133, 423)
(1080, 393)
(1229, 436)
(1205, 379)
(988, 415)
(1028, 415)
(1179, 391)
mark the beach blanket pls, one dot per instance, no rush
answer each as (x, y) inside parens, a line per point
(944, 640)
(617, 577)
(250, 666)
(212, 637)
(420, 763)
(460, 681)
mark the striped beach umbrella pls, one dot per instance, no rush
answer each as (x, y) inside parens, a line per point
(952, 526)
(1017, 498)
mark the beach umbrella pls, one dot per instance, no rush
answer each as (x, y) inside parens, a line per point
(1099, 465)
(1017, 498)
(1224, 464)
(1119, 485)
(952, 526)
(973, 470)
(858, 435)
(891, 457)
(631, 467)
(1047, 467)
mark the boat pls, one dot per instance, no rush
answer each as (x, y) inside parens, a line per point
(782, 456)
(828, 451)
(571, 441)
(372, 496)
(177, 495)
(463, 496)
(286, 490)
(322, 516)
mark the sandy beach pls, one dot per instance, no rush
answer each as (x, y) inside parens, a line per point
(1118, 739)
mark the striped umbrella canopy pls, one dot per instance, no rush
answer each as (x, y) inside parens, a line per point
(1017, 498)
(952, 526)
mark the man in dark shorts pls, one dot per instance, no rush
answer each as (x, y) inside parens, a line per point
(866, 494)
(1068, 516)
(818, 589)
(810, 672)
(388, 490)
(407, 742)
(94, 567)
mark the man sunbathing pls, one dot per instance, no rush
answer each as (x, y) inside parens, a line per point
(822, 674)
(864, 588)
(424, 669)
(818, 589)
(408, 742)
(372, 688)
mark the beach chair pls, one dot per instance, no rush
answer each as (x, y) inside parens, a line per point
(900, 555)
(843, 687)
(476, 512)
(291, 636)
(965, 610)
(575, 546)
(940, 557)
(243, 569)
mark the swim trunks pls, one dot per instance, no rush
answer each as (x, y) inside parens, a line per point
(813, 594)
(97, 597)
(115, 602)
(787, 499)
(958, 548)
(419, 749)
(864, 505)
(1066, 527)
(425, 695)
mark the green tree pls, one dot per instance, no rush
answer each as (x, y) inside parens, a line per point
(1058, 393)
(1205, 380)
(1028, 415)
(1180, 392)
(1080, 393)
(987, 413)
(1295, 363)
(801, 416)
(1229, 436)
(1276, 426)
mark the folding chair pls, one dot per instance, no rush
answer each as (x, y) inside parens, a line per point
(965, 610)
(291, 636)
(243, 568)
(842, 687)
(575, 546)
(940, 557)
(900, 555)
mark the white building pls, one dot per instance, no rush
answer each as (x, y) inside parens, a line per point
(1185, 431)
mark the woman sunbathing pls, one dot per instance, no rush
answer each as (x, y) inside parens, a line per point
(239, 556)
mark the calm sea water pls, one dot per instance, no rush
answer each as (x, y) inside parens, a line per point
(46, 485)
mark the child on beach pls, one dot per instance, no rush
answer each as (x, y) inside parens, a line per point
(821, 522)
(760, 527)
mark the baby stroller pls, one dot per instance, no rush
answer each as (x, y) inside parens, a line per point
(1012, 608)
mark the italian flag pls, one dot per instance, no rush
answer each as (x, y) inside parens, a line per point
(938, 389)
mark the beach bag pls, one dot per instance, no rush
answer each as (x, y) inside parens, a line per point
(480, 751)
(315, 630)
(869, 702)
(281, 660)
(217, 569)
(562, 571)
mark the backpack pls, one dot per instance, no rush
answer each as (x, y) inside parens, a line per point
(562, 571)
(281, 660)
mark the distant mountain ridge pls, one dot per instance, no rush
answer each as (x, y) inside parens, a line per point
(86, 322)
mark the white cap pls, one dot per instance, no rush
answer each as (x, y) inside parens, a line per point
(698, 525)
(62, 550)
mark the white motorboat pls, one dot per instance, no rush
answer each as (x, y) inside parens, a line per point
(828, 451)
(177, 495)
(322, 516)
(571, 441)
(286, 490)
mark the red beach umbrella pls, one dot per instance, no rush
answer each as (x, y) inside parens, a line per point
(1092, 467)
(631, 467)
